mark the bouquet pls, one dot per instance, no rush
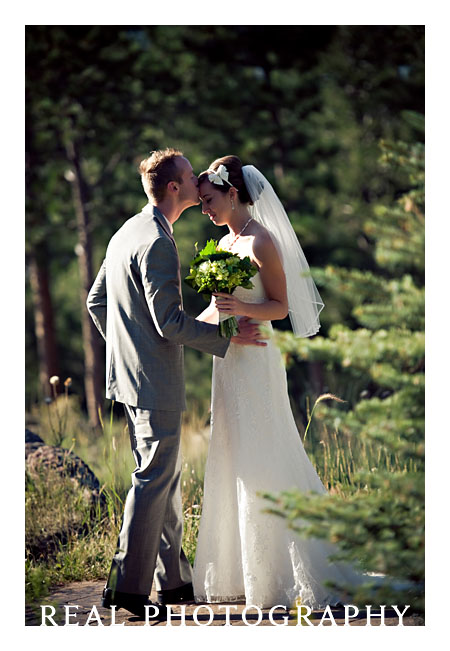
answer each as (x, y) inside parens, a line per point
(217, 270)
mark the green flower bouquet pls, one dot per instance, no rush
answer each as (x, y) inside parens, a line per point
(217, 270)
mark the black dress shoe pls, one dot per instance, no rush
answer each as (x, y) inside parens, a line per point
(177, 595)
(134, 603)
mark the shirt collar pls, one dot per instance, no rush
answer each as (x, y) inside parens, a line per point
(168, 223)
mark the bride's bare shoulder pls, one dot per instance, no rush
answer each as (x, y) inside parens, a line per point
(262, 241)
(264, 252)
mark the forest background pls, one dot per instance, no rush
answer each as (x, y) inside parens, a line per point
(333, 116)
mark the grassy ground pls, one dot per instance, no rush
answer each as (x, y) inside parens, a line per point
(68, 541)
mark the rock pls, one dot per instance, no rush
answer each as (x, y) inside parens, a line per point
(41, 458)
(32, 442)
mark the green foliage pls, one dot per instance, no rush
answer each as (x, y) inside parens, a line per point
(380, 522)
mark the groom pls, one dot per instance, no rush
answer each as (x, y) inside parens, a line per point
(136, 304)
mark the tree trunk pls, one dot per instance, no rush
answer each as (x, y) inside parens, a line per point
(93, 358)
(316, 377)
(43, 319)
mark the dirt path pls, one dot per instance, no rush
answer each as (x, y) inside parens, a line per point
(87, 594)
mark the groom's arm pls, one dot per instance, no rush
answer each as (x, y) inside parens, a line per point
(159, 273)
(96, 301)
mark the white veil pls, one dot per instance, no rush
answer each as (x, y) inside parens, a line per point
(304, 300)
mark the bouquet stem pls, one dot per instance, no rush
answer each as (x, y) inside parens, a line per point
(229, 327)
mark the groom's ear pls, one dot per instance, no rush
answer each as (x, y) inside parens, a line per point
(173, 187)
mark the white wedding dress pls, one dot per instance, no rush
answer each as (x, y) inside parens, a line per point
(242, 552)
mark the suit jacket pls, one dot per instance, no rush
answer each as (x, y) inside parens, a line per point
(136, 304)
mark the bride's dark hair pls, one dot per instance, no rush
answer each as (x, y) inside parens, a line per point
(235, 177)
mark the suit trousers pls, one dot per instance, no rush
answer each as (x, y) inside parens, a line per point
(149, 545)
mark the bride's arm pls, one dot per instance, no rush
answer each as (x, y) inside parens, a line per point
(273, 280)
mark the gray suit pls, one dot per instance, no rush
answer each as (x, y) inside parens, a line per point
(136, 304)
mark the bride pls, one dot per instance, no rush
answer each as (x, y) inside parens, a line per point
(242, 552)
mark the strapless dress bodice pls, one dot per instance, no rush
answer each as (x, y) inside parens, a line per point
(254, 295)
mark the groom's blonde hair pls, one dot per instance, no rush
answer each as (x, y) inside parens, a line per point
(158, 170)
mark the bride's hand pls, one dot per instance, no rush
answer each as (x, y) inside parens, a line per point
(229, 304)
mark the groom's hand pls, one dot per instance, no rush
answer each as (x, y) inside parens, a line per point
(249, 334)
